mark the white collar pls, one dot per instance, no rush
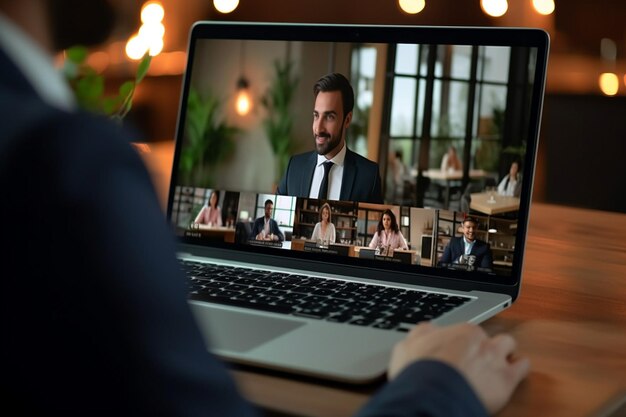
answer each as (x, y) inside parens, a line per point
(337, 159)
(36, 65)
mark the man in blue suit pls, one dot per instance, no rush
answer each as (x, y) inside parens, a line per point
(467, 250)
(332, 171)
(266, 228)
(95, 317)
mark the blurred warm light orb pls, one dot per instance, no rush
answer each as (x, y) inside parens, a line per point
(156, 46)
(412, 6)
(225, 6)
(495, 8)
(243, 102)
(544, 7)
(609, 83)
(149, 38)
(152, 12)
(152, 30)
(136, 47)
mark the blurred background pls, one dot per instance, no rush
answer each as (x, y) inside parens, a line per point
(582, 143)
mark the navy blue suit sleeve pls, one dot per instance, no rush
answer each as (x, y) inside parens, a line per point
(107, 330)
(426, 388)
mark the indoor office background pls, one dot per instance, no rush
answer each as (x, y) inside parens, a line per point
(581, 145)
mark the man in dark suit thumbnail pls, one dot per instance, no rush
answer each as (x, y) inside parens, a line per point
(468, 250)
(332, 171)
(266, 228)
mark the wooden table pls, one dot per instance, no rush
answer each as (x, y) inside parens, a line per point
(448, 176)
(493, 203)
(570, 320)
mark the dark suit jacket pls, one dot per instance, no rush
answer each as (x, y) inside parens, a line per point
(95, 317)
(360, 182)
(456, 248)
(259, 224)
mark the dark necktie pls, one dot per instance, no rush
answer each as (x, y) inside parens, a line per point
(323, 194)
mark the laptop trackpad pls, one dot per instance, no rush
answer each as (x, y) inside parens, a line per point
(238, 331)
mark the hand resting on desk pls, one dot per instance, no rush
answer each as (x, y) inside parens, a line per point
(488, 363)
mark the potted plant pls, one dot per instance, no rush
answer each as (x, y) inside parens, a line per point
(279, 122)
(88, 85)
(209, 140)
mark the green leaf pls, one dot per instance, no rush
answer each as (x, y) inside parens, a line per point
(110, 105)
(89, 89)
(142, 68)
(126, 89)
(77, 54)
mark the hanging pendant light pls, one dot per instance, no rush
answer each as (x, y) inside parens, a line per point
(243, 100)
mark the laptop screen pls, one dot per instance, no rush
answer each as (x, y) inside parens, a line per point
(399, 148)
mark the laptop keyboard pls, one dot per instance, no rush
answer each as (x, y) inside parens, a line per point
(316, 298)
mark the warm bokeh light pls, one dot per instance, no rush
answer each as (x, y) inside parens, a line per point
(544, 7)
(152, 30)
(225, 6)
(609, 83)
(412, 6)
(625, 80)
(150, 35)
(243, 103)
(152, 12)
(156, 46)
(136, 47)
(99, 61)
(495, 8)
(168, 63)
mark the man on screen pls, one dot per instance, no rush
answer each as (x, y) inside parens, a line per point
(266, 228)
(467, 250)
(332, 171)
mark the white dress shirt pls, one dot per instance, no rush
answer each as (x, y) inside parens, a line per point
(36, 65)
(335, 176)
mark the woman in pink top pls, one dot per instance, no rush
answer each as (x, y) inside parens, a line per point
(388, 235)
(210, 214)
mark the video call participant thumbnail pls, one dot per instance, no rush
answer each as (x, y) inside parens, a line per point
(467, 249)
(324, 229)
(388, 235)
(265, 227)
(332, 171)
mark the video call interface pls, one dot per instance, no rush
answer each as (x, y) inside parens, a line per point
(446, 126)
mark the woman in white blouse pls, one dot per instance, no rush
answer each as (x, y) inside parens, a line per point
(324, 230)
(511, 184)
(388, 234)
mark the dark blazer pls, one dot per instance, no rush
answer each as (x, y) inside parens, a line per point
(259, 224)
(95, 317)
(456, 248)
(360, 182)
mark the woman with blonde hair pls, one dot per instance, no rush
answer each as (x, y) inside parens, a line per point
(324, 230)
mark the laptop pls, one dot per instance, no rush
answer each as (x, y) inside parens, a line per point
(283, 278)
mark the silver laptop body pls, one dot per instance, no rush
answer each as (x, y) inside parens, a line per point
(417, 90)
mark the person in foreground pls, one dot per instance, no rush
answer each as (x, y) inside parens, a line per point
(95, 316)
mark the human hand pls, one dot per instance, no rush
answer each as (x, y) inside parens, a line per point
(488, 363)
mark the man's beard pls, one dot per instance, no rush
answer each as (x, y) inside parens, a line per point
(80, 22)
(329, 145)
